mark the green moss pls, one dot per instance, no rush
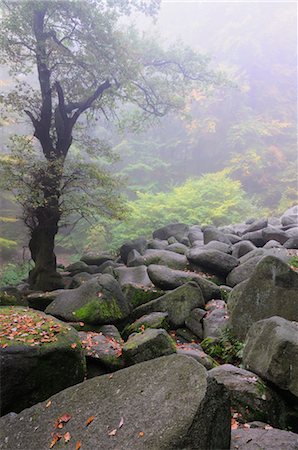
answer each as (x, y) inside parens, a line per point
(293, 262)
(98, 311)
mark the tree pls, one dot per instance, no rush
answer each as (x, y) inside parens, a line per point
(86, 65)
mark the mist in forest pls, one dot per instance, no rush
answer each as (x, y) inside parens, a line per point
(239, 137)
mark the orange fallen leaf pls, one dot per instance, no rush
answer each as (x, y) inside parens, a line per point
(48, 404)
(141, 433)
(78, 445)
(113, 432)
(73, 345)
(81, 324)
(91, 418)
(67, 437)
(57, 438)
(62, 420)
(234, 424)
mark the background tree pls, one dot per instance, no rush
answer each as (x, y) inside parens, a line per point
(86, 64)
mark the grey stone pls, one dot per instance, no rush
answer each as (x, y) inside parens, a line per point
(213, 234)
(29, 372)
(93, 258)
(220, 246)
(271, 351)
(166, 258)
(276, 234)
(290, 216)
(256, 225)
(137, 295)
(272, 244)
(195, 234)
(136, 394)
(291, 243)
(265, 439)
(195, 351)
(139, 244)
(135, 259)
(152, 320)
(243, 271)
(177, 248)
(40, 300)
(102, 348)
(214, 322)
(256, 237)
(242, 248)
(271, 290)
(79, 279)
(158, 244)
(233, 238)
(178, 230)
(250, 395)
(78, 267)
(213, 261)
(133, 275)
(177, 303)
(149, 344)
(98, 301)
(165, 278)
(195, 322)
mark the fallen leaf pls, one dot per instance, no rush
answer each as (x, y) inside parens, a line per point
(268, 427)
(91, 418)
(113, 432)
(57, 438)
(111, 376)
(62, 420)
(48, 404)
(141, 433)
(121, 422)
(73, 345)
(67, 437)
(234, 424)
(81, 324)
(78, 445)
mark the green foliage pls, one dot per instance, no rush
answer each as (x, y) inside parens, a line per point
(211, 199)
(227, 349)
(293, 262)
(13, 274)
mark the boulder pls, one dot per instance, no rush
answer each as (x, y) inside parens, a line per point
(137, 295)
(152, 320)
(272, 244)
(250, 395)
(40, 300)
(177, 248)
(165, 278)
(256, 237)
(195, 234)
(219, 246)
(213, 234)
(276, 234)
(79, 279)
(256, 225)
(158, 244)
(93, 258)
(242, 248)
(133, 275)
(177, 230)
(12, 296)
(271, 351)
(177, 303)
(213, 261)
(78, 267)
(292, 243)
(267, 438)
(128, 397)
(194, 322)
(139, 244)
(102, 348)
(165, 258)
(215, 321)
(195, 351)
(271, 290)
(39, 356)
(243, 271)
(135, 259)
(149, 344)
(290, 217)
(98, 301)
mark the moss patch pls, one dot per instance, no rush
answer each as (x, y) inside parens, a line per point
(22, 326)
(97, 311)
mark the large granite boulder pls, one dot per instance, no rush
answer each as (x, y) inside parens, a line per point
(243, 271)
(165, 258)
(137, 295)
(166, 278)
(271, 351)
(266, 438)
(98, 301)
(213, 261)
(164, 404)
(242, 248)
(152, 320)
(133, 275)
(94, 258)
(211, 233)
(139, 244)
(270, 291)
(290, 217)
(39, 356)
(275, 234)
(250, 395)
(177, 303)
(177, 230)
(102, 348)
(149, 344)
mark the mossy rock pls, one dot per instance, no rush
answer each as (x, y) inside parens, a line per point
(151, 343)
(39, 356)
(138, 295)
(10, 296)
(153, 320)
(99, 301)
